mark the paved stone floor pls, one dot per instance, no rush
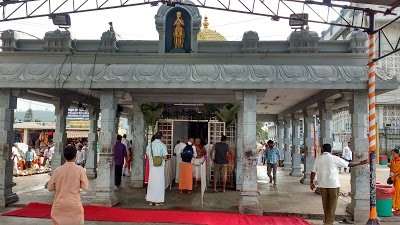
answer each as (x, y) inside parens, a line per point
(289, 197)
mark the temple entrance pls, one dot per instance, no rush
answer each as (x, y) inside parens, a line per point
(182, 130)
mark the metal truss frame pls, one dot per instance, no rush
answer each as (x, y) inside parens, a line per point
(383, 39)
(11, 10)
(23, 9)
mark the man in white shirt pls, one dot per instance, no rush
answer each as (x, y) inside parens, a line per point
(347, 155)
(81, 156)
(326, 169)
(125, 141)
(178, 150)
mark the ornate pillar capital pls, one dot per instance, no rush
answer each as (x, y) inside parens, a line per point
(309, 112)
(326, 105)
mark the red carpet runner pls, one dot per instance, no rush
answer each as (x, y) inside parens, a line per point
(99, 213)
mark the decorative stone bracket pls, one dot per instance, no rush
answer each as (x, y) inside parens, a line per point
(250, 41)
(58, 41)
(9, 39)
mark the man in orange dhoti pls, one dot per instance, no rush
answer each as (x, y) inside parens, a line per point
(395, 175)
(185, 167)
(66, 181)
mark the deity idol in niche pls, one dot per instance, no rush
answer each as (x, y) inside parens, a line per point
(179, 31)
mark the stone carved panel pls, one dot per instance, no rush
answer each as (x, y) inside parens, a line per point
(206, 73)
(319, 73)
(181, 73)
(294, 73)
(176, 72)
(146, 72)
(264, 73)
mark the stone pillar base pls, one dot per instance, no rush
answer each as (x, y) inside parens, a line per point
(306, 179)
(359, 211)
(136, 183)
(296, 172)
(249, 204)
(9, 199)
(91, 173)
(105, 198)
(287, 166)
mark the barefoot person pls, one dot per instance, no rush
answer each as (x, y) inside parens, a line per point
(327, 173)
(185, 167)
(220, 162)
(395, 176)
(272, 159)
(66, 182)
(156, 187)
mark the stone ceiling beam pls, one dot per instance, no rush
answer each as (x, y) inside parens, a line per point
(309, 102)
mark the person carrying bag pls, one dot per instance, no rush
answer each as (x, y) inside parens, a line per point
(157, 160)
(156, 151)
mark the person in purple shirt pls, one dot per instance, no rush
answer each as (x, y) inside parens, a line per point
(119, 157)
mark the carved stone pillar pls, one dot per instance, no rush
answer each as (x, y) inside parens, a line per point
(249, 194)
(105, 169)
(137, 126)
(7, 105)
(281, 135)
(60, 136)
(91, 162)
(287, 162)
(308, 145)
(239, 148)
(359, 206)
(296, 156)
(325, 115)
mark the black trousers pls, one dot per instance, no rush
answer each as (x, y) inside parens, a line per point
(118, 175)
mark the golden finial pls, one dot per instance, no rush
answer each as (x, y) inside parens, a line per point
(205, 23)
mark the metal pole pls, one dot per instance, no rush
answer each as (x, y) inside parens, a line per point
(373, 217)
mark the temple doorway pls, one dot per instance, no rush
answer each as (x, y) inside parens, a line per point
(182, 130)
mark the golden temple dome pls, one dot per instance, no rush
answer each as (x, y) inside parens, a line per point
(207, 34)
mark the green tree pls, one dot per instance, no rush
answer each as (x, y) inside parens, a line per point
(262, 134)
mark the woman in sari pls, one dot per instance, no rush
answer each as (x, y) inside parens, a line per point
(395, 175)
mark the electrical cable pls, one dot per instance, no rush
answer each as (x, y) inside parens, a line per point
(23, 32)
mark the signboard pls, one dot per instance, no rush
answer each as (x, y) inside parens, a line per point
(298, 20)
(77, 114)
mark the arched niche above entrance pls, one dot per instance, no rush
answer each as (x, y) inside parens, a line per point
(165, 18)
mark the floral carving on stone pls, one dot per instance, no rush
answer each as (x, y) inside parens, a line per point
(146, 72)
(176, 72)
(118, 72)
(294, 73)
(42, 71)
(263, 73)
(235, 72)
(319, 73)
(206, 73)
(10, 71)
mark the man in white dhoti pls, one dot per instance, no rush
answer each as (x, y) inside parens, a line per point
(156, 186)
(178, 150)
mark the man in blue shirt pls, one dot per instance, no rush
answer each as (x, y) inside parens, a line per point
(29, 157)
(272, 159)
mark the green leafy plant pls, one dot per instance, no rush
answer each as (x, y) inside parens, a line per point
(228, 113)
(151, 113)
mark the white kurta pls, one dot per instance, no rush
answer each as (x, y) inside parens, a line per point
(178, 150)
(156, 185)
